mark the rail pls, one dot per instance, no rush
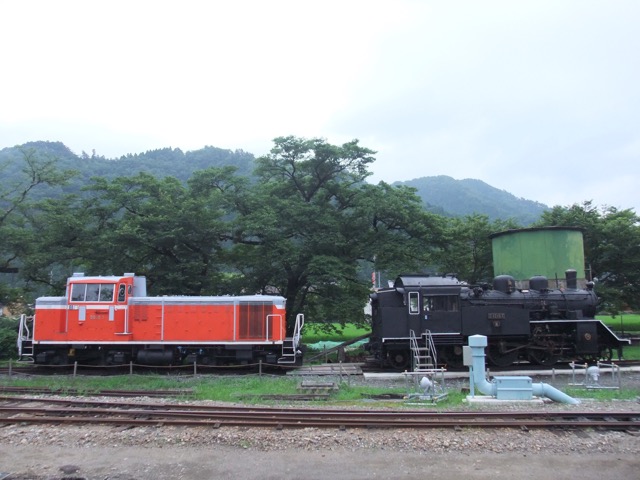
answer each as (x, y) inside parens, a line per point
(26, 410)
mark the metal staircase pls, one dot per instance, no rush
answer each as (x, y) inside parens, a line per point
(428, 379)
(423, 355)
(25, 338)
(290, 352)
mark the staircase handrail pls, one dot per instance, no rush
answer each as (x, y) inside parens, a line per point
(22, 336)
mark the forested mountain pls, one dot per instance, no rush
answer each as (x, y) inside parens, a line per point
(441, 194)
(165, 162)
(446, 196)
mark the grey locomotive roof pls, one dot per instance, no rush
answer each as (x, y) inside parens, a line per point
(404, 281)
(177, 300)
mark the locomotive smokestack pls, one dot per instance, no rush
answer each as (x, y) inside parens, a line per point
(572, 279)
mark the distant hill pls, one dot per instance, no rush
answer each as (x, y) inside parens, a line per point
(447, 196)
(159, 163)
(442, 195)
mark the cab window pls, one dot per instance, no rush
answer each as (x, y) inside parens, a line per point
(92, 292)
(441, 303)
(106, 292)
(414, 303)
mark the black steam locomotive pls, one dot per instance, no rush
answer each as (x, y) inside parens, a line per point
(539, 324)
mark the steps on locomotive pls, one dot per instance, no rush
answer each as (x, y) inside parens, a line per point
(289, 351)
(26, 350)
(25, 339)
(424, 357)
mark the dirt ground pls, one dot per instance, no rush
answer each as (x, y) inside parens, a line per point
(221, 462)
(107, 453)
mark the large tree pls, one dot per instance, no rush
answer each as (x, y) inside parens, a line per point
(467, 250)
(312, 227)
(33, 173)
(171, 232)
(612, 249)
(59, 232)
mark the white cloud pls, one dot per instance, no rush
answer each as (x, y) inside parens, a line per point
(538, 98)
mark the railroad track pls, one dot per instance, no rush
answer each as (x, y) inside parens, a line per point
(29, 410)
(103, 393)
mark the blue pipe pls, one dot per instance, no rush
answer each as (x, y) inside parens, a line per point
(478, 343)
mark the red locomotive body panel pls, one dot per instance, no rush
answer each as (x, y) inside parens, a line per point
(114, 315)
(208, 319)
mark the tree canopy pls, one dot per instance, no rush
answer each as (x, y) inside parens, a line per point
(17, 202)
(611, 247)
(306, 225)
(315, 225)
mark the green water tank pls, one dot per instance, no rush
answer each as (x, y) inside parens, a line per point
(542, 251)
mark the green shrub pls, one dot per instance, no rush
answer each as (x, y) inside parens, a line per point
(8, 338)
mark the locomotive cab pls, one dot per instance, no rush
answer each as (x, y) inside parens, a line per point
(414, 305)
(103, 303)
(94, 310)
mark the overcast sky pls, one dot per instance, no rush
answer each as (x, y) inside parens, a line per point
(538, 98)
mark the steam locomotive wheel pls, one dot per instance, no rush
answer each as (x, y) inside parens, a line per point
(452, 356)
(542, 357)
(605, 354)
(501, 359)
(399, 359)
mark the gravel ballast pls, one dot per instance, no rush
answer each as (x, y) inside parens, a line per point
(163, 452)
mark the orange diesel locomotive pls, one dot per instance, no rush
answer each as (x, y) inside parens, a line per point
(111, 320)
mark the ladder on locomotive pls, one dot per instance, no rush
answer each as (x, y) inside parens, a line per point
(25, 338)
(424, 357)
(290, 345)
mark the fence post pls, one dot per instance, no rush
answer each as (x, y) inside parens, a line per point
(260, 368)
(131, 367)
(75, 368)
(195, 368)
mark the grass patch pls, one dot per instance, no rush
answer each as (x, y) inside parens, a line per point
(625, 322)
(313, 333)
(248, 389)
(210, 387)
(88, 385)
(603, 395)
(630, 353)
